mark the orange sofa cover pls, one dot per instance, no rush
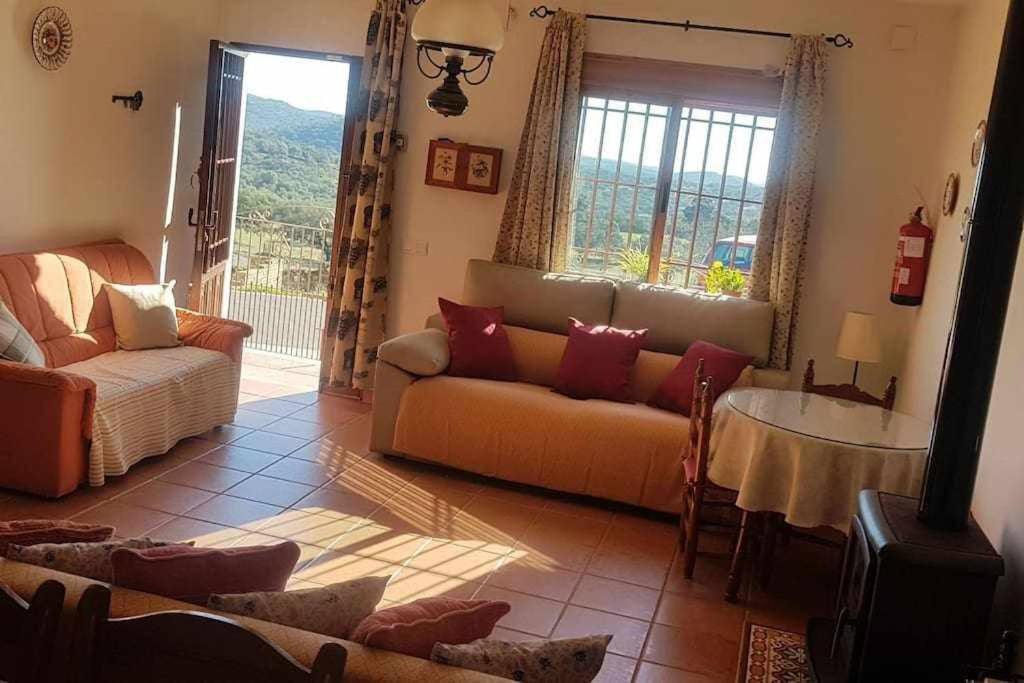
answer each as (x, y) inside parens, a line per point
(45, 413)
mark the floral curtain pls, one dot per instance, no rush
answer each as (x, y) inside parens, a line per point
(358, 290)
(534, 229)
(777, 271)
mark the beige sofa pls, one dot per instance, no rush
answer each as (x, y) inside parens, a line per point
(364, 665)
(523, 431)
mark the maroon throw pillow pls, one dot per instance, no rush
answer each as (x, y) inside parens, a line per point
(598, 362)
(28, 532)
(478, 342)
(194, 574)
(722, 365)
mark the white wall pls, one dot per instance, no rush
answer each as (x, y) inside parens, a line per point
(78, 168)
(998, 505)
(876, 146)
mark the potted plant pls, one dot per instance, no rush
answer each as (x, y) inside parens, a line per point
(722, 280)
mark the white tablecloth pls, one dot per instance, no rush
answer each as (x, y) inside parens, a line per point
(812, 481)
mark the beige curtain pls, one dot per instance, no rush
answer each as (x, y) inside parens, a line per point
(535, 227)
(777, 270)
(358, 292)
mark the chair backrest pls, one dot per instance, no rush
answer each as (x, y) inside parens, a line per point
(168, 647)
(696, 465)
(28, 631)
(849, 392)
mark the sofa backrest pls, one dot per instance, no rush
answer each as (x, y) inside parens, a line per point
(675, 318)
(59, 296)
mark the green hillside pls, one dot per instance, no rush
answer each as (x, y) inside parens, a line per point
(290, 162)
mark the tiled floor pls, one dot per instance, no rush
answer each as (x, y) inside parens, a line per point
(297, 466)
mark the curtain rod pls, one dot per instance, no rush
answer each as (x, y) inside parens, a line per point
(838, 40)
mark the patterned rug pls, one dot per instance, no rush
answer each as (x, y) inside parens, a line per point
(773, 656)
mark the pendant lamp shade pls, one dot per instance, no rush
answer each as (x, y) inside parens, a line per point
(468, 26)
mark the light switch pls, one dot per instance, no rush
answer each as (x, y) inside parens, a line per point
(420, 247)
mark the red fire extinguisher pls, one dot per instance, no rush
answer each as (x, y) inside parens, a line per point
(912, 256)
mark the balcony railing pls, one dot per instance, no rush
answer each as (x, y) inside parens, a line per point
(279, 278)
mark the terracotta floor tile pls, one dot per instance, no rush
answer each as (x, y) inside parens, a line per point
(300, 471)
(268, 490)
(616, 597)
(509, 636)
(205, 534)
(710, 576)
(616, 669)
(236, 512)
(305, 398)
(515, 494)
(411, 584)
(561, 528)
(338, 504)
(631, 567)
(580, 508)
(332, 411)
(381, 543)
(331, 567)
(241, 459)
(563, 554)
(307, 553)
(226, 433)
(628, 634)
(411, 510)
(369, 480)
(352, 436)
(693, 649)
(270, 406)
(655, 673)
(546, 582)
(318, 530)
(529, 614)
(297, 428)
(278, 444)
(509, 519)
(715, 616)
(203, 476)
(451, 559)
(250, 419)
(327, 454)
(166, 497)
(129, 520)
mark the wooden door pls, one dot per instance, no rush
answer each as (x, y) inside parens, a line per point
(218, 179)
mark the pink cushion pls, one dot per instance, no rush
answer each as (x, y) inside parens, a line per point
(36, 531)
(194, 574)
(722, 365)
(413, 629)
(478, 342)
(598, 362)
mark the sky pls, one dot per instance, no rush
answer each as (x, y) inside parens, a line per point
(312, 84)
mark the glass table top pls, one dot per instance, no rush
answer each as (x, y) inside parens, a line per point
(832, 419)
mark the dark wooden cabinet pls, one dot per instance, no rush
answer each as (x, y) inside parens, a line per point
(913, 604)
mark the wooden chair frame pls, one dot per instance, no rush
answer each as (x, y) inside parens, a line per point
(30, 628)
(183, 646)
(849, 392)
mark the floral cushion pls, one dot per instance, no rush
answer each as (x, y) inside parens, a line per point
(91, 560)
(334, 610)
(26, 532)
(574, 660)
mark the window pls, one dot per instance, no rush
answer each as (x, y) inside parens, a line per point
(668, 173)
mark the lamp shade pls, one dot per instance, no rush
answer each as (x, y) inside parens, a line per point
(859, 339)
(464, 23)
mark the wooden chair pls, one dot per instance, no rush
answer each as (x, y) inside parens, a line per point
(700, 493)
(28, 631)
(849, 392)
(170, 647)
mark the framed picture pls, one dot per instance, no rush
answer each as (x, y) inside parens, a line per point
(463, 167)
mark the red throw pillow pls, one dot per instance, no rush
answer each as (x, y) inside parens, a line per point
(722, 365)
(194, 574)
(37, 531)
(598, 362)
(478, 342)
(413, 629)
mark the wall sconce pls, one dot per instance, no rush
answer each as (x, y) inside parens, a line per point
(455, 30)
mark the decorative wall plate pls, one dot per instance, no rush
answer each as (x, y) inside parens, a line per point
(979, 143)
(951, 194)
(51, 38)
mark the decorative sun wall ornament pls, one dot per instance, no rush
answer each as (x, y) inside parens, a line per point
(51, 38)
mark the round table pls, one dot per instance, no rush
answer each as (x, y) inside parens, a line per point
(808, 456)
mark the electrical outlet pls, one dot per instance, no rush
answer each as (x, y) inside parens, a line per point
(417, 247)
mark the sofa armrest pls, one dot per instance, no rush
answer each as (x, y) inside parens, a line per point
(215, 334)
(424, 353)
(49, 384)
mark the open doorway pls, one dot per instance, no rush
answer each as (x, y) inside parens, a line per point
(269, 181)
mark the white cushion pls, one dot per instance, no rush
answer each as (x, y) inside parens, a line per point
(144, 316)
(16, 344)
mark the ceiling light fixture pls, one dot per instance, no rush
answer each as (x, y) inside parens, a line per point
(455, 30)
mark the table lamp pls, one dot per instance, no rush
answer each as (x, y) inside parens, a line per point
(859, 340)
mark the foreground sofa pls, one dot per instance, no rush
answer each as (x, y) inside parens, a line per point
(364, 664)
(523, 431)
(52, 437)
